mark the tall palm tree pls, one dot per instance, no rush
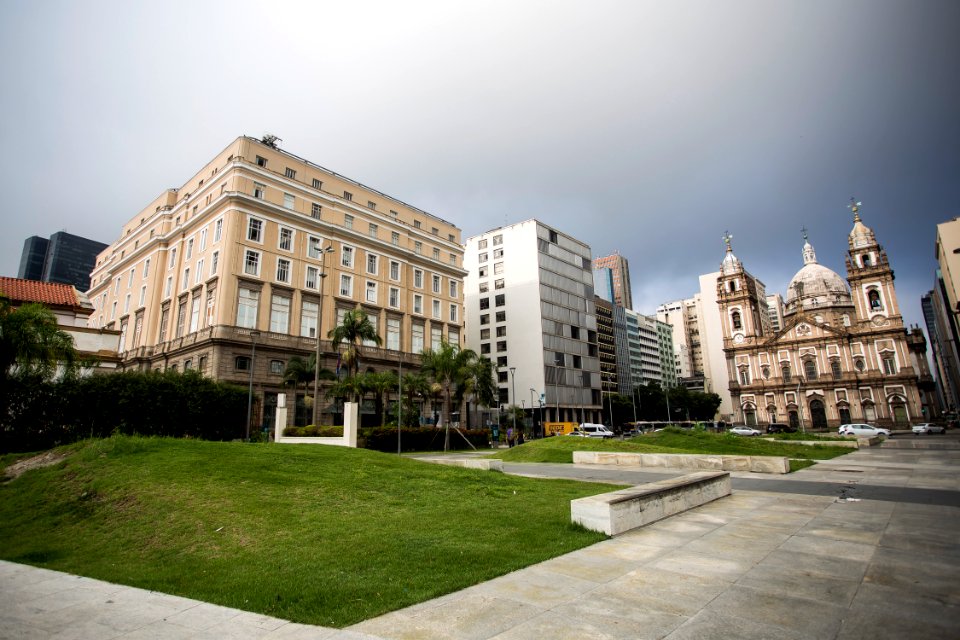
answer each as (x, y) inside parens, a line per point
(300, 371)
(415, 385)
(380, 384)
(353, 387)
(480, 382)
(449, 367)
(353, 331)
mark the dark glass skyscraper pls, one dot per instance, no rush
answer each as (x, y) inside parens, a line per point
(63, 258)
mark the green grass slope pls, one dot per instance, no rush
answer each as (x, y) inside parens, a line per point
(310, 533)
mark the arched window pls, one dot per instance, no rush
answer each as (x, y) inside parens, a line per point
(873, 296)
(735, 319)
(866, 260)
(785, 369)
(810, 369)
(744, 376)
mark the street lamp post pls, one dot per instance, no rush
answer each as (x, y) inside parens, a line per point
(513, 395)
(316, 364)
(253, 357)
(533, 393)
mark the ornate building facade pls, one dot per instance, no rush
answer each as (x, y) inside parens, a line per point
(842, 355)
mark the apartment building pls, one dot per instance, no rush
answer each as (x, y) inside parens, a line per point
(63, 257)
(620, 286)
(530, 308)
(260, 253)
(606, 343)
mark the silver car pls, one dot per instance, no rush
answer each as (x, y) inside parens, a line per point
(863, 430)
(927, 428)
(744, 431)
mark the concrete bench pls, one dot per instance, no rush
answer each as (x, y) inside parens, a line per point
(757, 464)
(619, 511)
(470, 463)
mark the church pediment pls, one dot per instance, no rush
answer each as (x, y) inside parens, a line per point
(804, 327)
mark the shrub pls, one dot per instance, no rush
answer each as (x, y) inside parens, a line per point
(426, 439)
(313, 431)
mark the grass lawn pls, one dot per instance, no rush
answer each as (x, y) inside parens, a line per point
(561, 448)
(309, 533)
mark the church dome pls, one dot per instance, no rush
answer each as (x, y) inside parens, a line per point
(816, 286)
(861, 235)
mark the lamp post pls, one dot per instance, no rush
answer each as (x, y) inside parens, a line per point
(316, 364)
(399, 397)
(513, 394)
(253, 356)
(533, 393)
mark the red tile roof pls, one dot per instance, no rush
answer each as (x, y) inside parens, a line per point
(49, 293)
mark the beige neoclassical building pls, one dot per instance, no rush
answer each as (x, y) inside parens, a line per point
(842, 353)
(261, 246)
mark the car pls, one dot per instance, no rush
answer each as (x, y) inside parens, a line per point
(863, 430)
(928, 428)
(776, 427)
(595, 430)
(744, 431)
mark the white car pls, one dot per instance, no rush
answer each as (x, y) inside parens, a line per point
(744, 431)
(593, 431)
(928, 428)
(863, 430)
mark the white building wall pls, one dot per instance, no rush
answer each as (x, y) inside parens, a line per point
(717, 379)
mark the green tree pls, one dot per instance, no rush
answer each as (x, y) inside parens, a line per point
(300, 371)
(478, 381)
(352, 387)
(448, 367)
(380, 384)
(32, 344)
(416, 387)
(353, 331)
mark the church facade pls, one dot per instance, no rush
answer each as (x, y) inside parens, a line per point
(842, 354)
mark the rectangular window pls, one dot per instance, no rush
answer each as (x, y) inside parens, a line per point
(482, 272)
(497, 240)
(317, 184)
(498, 283)
(889, 366)
(371, 292)
(195, 313)
(312, 277)
(417, 224)
(436, 284)
(484, 287)
(348, 196)
(211, 303)
(308, 319)
(181, 317)
(313, 247)
(346, 257)
(484, 303)
(453, 337)
(214, 263)
(497, 268)
(501, 332)
(276, 367)
(217, 230)
(484, 256)
(497, 253)
(484, 334)
(394, 300)
(395, 238)
(436, 309)
(146, 267)
(500, 299)
(453, 258)
(453, 289)
(164, 322)
(373, 230)
(371, 264)
(501, 345)
(279, 314)
(247, 308)
(251, 263)
(315, 210)
(186, 278)
(259, 190)
(484, 348)
(255, 230)
(453, 313)
(286, 239)
(289, 201)
(290, 173)
(346, 285)
(170, 265)
(416, 338)
(283, 270)
(418, 248)
(394, 270)
(481, 244)
(348, 221)
(198, 278)
(113, 311)
(189, 252)
(418, 303)
(261, 161)
(126, 304)
(436, 254)
(203, 239)
(393, 334)
(485, 318)
(168, 287)
(501, 316)
(436, 338)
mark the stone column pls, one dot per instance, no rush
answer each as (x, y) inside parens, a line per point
(281, 420)
(351, 423)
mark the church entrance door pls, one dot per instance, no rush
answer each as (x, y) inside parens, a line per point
(818, 414)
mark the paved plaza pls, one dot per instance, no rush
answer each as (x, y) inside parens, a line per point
(864, 546)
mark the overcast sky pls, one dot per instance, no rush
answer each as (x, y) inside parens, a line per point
(645, 127)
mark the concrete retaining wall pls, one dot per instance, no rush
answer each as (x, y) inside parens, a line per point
(848, 444)
(470, 463)
(619, 511)
(756, 464)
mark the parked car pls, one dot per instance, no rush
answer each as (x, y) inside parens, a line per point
(776, 427)
(863, 430)
(744, 431)
(927, 428)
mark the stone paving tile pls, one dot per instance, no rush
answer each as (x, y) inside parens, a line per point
(845, 531)
(466, 618)
(797, 581)
(705, 564)
(713, 625)
(203, 616)
(649, 589)
(882, 611)
(536, 586)
(817, 564)
(816, 618)
(827, 547)
(595, 566)
(294, 631)
(917, 573)
(159, 631)
(557, 625)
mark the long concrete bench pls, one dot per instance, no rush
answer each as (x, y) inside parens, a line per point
(757, 464)
(619, 511)
(470, 463)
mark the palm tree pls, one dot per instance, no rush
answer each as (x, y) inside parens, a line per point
(415, 385)
(300, 371)
(354, 387)
(449, 367)
(354, 330)
(380, 385)
(31, 342)
(480, 382)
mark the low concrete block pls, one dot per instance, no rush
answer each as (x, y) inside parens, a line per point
(756, 464)
(619, 511)
(471, 463)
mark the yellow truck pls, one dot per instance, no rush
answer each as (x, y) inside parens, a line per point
(558, 428)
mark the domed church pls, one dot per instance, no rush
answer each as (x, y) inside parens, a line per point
(842, 354)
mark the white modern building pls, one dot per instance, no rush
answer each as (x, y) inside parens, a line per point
(529, 300)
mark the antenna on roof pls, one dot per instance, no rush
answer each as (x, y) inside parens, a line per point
(271, 140)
